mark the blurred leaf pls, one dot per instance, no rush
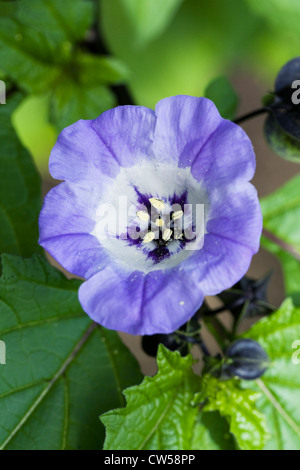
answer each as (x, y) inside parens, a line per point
(149, 18)
(281, 215)
(20, 199)
(61, 370)
(290, 267)
(100, 70)
(31, 122)
(280, 14)
(280, 142)
(238, 406)
(71, 102)
(159, 414)
(81, 93)
(37, 38)
(187, 54)
(281, 236)
(222, 93)
(280, 384)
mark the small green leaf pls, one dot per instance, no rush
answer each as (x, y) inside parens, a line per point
(82, 92)
(38, 36)
(290, 267)
(160, 415)
(280, 142)
(40, 51)
(281, 236)
(238, 406)
(61, 370)
(149, 18)
(20, 199)
(280, 384)
(98, 70)
(72, 101)
(221, 92)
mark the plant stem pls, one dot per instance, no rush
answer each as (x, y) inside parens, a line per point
(252, 114)
(234, 304)
(282, 244)
(215, 330)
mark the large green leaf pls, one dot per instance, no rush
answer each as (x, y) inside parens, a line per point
(281, 383)
(160, 414)
(238, 406)
(222, 93)
(62, 371)
(149, 18)
(20, 199)
(281, 235)
(37, 37)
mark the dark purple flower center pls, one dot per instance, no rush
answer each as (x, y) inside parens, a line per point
(162, 229)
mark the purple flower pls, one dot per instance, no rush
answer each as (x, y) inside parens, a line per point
(144, 272)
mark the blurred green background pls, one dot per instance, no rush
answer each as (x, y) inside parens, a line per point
(164, 47)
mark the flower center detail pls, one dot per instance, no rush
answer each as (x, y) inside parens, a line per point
(166, 230)
(161, 226)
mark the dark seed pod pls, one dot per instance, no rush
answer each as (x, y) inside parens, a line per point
(286, 108)
(246, 359)
(252, 291)
(173, 342)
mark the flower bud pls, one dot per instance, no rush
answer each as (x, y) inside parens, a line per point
(246, 359)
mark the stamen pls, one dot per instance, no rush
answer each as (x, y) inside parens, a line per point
(157, 203)
(148, 237)
(159, 222)
(143, 215)
(177, 215)
(167, 234)
(178, 235)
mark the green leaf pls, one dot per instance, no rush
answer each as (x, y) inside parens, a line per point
(20, 199)
(222, 93)
(281, 235)
(99, 70)
(238, 406)
(281, 213)
(71, 101)
(40, 51)
(280, 384)
(280, 142)
(149, 18)
(82, 92)
(37, 37)
(211, 432)
(160, 415)
(290, 267)
(61, 370)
